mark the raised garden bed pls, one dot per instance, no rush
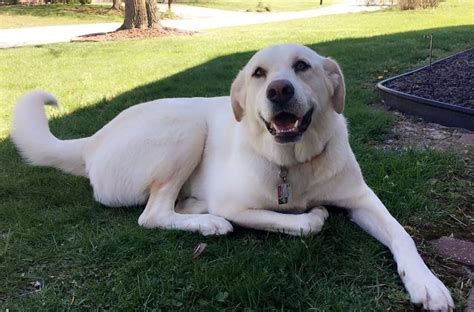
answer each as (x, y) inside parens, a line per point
(441, 93)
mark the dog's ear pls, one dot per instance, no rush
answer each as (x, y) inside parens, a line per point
(334, 73)
(237, 96)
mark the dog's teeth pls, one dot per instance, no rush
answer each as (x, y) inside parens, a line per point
(274, 128)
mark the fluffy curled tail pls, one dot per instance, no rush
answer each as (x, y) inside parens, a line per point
(36, 143)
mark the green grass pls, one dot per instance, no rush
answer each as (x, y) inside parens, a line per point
(260, 5)
(91, 257)
(15, 16)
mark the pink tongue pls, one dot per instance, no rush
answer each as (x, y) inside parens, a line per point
(284, 121)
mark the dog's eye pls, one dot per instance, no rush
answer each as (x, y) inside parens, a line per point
(301, 66)
(259, 72)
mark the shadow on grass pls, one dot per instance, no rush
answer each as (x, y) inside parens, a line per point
(118, 265)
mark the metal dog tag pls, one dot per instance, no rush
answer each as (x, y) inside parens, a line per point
(284, 193)
(284, 189)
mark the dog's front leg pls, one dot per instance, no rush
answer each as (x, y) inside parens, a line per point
(424, 288)
(307, 223)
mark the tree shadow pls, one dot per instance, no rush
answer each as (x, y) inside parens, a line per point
(218, 74)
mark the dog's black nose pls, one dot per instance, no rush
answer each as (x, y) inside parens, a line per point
(280, 91)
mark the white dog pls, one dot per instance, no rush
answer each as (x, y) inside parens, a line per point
(271, 165)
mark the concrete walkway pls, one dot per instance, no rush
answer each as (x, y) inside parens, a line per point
(17, 37)
(192, 18)
(197, 18)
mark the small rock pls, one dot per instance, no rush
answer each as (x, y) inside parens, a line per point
(409, 128)
(467, 139)
(436, 134)
(455, 249)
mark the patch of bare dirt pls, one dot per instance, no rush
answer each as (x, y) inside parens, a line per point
(136, 33)
(413, 132)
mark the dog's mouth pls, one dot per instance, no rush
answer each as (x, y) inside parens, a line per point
(287, 127)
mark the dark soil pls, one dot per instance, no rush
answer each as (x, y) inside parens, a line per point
(132, 34)
(449, 81)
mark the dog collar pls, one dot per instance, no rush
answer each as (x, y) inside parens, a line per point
(284, 188)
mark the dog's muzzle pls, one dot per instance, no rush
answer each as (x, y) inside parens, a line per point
(287, 127)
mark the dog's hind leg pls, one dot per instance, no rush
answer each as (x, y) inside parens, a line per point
(160, 213)
(166, 159)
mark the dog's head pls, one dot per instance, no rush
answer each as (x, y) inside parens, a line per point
(283, 89)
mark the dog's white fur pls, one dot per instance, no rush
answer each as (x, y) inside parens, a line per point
(198, 168)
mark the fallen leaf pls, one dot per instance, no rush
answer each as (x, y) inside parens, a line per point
(199, 249)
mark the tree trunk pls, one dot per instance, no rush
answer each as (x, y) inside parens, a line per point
(140, 14)
(152, 14)
(116, 5)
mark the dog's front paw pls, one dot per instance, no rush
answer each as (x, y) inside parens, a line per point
(426, 290)
(317, 216)
(312, 221)
(208, 224)
(318, 213)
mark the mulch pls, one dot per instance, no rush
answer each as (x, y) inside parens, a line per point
(135, 33)
(449, 81)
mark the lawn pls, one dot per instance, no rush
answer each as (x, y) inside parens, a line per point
(13, 16)
(86, 256)
(260, 5)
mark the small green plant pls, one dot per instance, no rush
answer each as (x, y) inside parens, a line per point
(168, 14)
